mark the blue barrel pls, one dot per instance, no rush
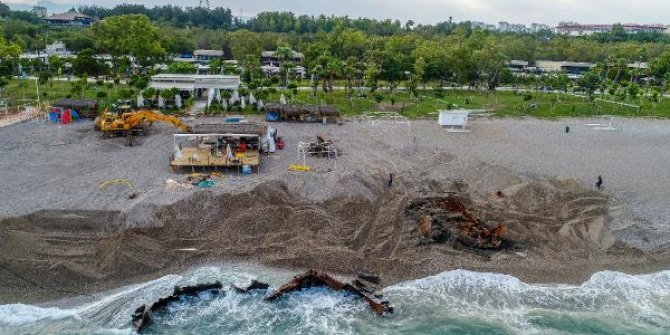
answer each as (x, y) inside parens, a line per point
(246, 169)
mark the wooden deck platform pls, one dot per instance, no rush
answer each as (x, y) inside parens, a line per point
(199, 157)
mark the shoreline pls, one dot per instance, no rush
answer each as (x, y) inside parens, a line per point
(546, 276)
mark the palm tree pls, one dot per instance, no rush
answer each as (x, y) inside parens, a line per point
(284, 54)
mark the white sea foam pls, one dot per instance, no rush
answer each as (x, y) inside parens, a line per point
(19, 314)
(641, 299)
(452, 302)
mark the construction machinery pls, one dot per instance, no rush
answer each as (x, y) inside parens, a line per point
(133, 123)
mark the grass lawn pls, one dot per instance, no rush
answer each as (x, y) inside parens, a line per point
(23, 91)
(502, 103)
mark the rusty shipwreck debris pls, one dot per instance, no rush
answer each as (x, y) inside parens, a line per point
(314, 278)
(255, 285)
(142, 315)
(444, 219)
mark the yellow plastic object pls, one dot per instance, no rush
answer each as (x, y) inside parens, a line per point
(117, 181)
(303, 168)
(239, 155)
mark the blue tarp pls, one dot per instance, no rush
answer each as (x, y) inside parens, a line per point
(54, 117)
(271, 116)
(206, 183)
(74, 115)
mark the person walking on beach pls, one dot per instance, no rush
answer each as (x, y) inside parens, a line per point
(389, 182)
(599, 183)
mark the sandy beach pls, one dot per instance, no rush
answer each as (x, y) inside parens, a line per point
(63, 236)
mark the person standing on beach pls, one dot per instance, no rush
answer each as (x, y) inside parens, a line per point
(599, 183)
(390, 180)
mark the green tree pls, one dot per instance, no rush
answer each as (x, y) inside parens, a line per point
(85, 64)
(419, 73)
(244, 43)
(4, 10)
(130, 36)
(78, 87)
(55, 64)
(589, 82)
(182, 68)
(285, 55)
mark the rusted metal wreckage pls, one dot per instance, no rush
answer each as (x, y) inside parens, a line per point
(312, 278)
(443, 219)
(143, 315)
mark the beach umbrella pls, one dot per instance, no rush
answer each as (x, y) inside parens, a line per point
(177, 100)
(210, 97)
(243, 104)
(252, 99)
(140, 100)
(282, 99)
(236, 96)
(217, 95)
(260, 105)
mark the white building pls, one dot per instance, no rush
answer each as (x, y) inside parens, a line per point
(195, 84)
(577, 29)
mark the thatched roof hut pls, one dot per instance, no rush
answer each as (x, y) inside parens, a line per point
(303, 112)
(230, 128)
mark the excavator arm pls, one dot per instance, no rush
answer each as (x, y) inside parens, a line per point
(135, 119)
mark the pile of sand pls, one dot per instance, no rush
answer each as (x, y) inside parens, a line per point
(559, 229)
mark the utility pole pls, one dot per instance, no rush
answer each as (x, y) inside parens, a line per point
(204, 4)
(46, 54)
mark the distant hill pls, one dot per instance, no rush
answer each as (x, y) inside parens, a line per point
(52, 7)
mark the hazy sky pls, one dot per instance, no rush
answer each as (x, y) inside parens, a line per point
(431, 11)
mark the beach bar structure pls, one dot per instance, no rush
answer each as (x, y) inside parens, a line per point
(216, 151)
(220, 145)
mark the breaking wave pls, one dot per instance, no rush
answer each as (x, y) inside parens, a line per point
(453, 302)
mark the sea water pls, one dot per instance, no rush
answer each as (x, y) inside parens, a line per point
(453, 302)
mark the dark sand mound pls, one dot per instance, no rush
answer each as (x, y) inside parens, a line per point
(558, 232)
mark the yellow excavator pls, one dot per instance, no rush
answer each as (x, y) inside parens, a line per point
(133, 123)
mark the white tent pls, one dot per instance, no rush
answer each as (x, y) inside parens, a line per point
(210, 96)
(217, 95)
